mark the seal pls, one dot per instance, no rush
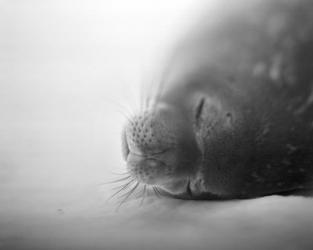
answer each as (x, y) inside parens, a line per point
(238, 122)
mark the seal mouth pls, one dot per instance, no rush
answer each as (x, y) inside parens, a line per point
(153, 170)
(162, 170)
(147, 169)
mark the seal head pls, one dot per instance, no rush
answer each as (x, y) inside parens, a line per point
(168, 145)
(240, 123)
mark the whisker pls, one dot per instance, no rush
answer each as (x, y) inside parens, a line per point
(130, 112)
(123, 110)
(118, 180)
(121, 189)
(119, 173)
(143, 194)
(129, 191)
(148, 192)
(115, 188)
(158, 191)
(154, 192)
(129, 182)
(133, 96)
(121, 106)
(127, 195)
(147, 95)
(128, 117)
(115, 181)
(146, 101)
(161, 84)
(143, 93)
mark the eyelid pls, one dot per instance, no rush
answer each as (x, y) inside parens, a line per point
(199, 108)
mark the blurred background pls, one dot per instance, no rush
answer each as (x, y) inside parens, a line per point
(71, 72)
(70, 75)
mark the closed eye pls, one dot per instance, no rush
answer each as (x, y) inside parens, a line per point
(199, 108)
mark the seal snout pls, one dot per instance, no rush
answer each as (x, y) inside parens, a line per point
(152, 143)
(160, 148)
(150, 133)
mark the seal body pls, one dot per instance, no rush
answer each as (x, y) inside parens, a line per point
(238, 122)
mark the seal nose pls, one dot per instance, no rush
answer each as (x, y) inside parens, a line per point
(152, 132)
(160, 145)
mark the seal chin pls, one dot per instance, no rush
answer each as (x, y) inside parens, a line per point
(176, 187)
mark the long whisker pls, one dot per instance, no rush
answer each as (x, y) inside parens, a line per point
(118, 187)
(119, 173)
(161, 84)
(121, 189)
(123, 110)
(158, 191)
(127, 195)
(121, 106)
(118, 180)
(126, 109)
(142, 97)
(147, 100)
(143, 194)
(126, 116)
(133, 95)
(129, 191)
